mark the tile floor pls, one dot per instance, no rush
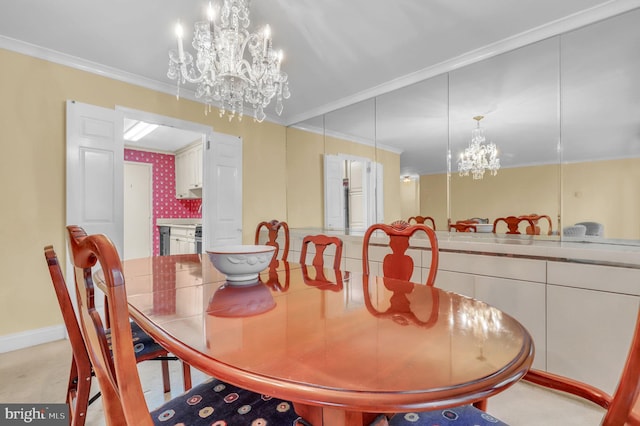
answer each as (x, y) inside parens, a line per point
(25, 377)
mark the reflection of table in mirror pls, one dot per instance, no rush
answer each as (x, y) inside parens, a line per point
(324, 349)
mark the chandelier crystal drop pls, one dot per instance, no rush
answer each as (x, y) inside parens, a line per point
(479, 157)
(232, 67)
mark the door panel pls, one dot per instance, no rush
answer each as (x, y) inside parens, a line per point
(95, 161)
(333, 192)
(223, 191)
(137, 210)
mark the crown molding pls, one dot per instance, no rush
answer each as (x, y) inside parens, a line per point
(550, 29)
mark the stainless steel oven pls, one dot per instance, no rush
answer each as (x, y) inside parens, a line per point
(198, 237)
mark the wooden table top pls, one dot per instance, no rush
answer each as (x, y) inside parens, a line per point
(368, 345)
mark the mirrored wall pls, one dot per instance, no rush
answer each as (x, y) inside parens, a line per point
(564, 114)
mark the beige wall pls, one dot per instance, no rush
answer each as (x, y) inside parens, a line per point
(277, 184)
(32, 171)
(305, 168)
(410, 198)
(604, 191)
(433, 199)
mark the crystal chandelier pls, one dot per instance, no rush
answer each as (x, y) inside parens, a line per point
(232, 66)
(479, 157)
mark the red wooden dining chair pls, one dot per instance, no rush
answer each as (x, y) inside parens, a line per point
(513, 223)
(422, 220)
(321, 242)
(398, 264)
(145, 347)
(463, 227)
(213, 402)
(273, 227)
(620, 409)
(79, 386)
(535, 218)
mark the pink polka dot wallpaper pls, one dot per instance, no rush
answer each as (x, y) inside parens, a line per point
(165, 203)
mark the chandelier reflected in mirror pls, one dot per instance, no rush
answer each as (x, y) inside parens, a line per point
(232, 67)
(478, 157)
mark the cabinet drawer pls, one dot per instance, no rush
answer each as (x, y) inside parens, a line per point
(595, 277)
(495, 266)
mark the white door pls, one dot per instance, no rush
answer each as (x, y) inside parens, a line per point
(333, 192)
(358, 194)
(137, 210)
(95, 158)
(376, 200)
(222, 191)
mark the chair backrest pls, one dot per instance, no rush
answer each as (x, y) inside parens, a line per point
(321, 242)
(624, 407)
(123, 405)
(398, 264)
(463, 227)
(273, 228)
(423, 219)
(535, 218)
(513, 223)
(80, 377)
(593, 228)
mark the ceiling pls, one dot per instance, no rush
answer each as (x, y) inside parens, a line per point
(337, 52)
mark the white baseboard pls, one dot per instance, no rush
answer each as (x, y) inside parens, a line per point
(25, 339)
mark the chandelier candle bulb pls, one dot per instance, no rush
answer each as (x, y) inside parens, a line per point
(267, 34)
(179, 34)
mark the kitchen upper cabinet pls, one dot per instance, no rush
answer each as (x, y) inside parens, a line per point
(189, 171)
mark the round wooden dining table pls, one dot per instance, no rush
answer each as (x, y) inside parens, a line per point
(340, 345)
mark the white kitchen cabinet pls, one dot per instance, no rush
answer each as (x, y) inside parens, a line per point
(189, 172)
(182, 240)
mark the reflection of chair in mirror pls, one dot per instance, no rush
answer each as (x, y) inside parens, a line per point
(593, 228)
(535, 218)
(619, 409)
(463, 227)
(513, 223)
(321, 242)
(422, 220)
(398, 264)
(273, 227)
(122, 394)
(399, 309)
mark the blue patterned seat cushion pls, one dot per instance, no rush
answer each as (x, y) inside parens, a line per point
(143, 344)
(466, 415)
(216, 403)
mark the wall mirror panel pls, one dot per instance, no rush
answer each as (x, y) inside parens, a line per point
(601, 126)
(564, 114)
(415, 119)
(517, 96)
